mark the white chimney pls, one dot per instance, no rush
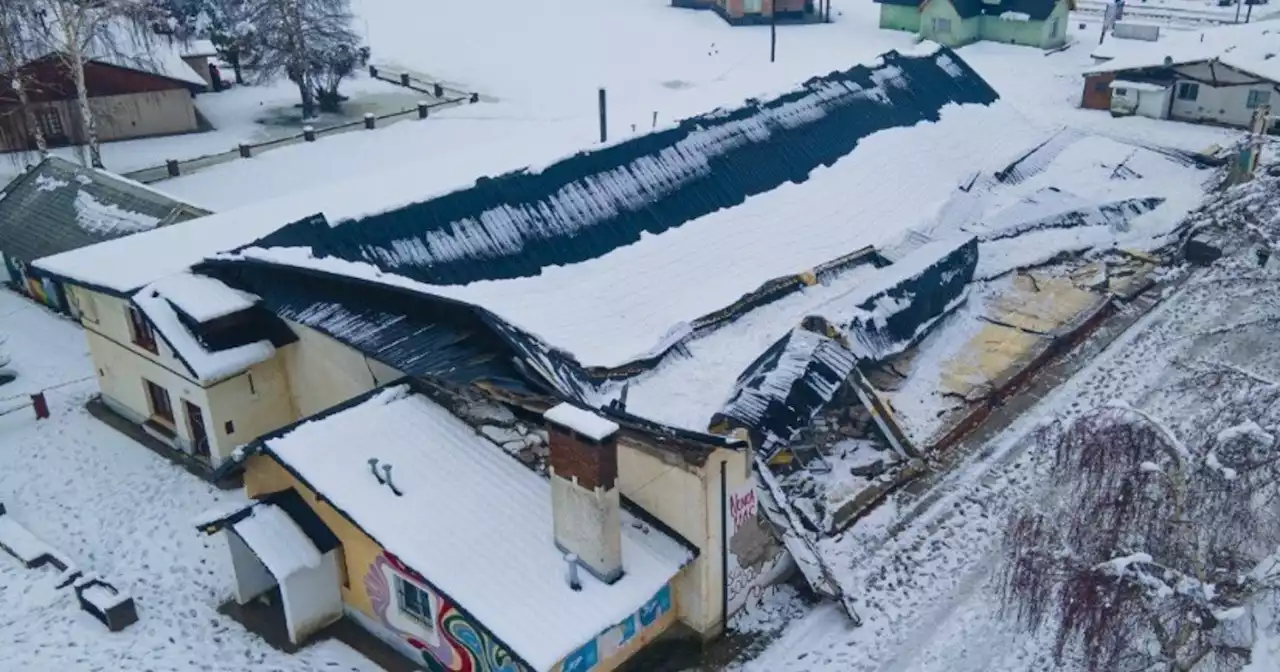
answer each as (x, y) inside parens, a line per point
(584, 493)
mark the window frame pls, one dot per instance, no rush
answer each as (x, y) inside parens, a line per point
(156, 392)
(1193, 87)
(405, 591)
(141, 333)
(939, 21)
(1257, 98)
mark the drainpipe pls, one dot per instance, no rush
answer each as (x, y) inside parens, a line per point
(724, 545)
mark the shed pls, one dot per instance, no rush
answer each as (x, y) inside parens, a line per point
(58, 206)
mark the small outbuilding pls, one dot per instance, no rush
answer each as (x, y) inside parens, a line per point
(1220, 76)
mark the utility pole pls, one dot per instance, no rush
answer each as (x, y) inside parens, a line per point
(1248, 14)
(773, 32)
(604, 123)
(1238, 3)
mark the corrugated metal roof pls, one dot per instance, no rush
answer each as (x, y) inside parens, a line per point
(415, 334)
(59, 206)
(587, 205)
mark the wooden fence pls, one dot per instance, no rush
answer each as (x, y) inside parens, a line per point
(445, 97)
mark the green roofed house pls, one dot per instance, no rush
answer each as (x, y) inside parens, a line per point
(1033, 23)
(57, 206)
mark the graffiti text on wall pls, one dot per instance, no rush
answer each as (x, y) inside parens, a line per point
(751, 549)
(611, 641)
(450, 642)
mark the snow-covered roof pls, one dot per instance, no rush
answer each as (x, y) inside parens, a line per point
(488, 545)
(584, 422)
(1136, 86)
(197, 48)
(622, 259)
(1249, 47)
(202, 298)
(59, 206)
(207, 366)
(277, 540)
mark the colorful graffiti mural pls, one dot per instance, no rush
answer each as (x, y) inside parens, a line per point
(605, 646)
(452, 643)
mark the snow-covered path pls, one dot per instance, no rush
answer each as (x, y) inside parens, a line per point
(115, 508)
(928, 590)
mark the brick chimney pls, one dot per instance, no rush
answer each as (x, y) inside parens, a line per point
(584, 492)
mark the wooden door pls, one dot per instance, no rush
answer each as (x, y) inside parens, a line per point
(195, 425)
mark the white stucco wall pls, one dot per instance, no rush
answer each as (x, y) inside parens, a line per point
(255, 402)
(1225, 104)
(312, 598)
(252, 577)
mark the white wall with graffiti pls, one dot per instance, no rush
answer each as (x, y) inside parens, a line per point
(755, 557)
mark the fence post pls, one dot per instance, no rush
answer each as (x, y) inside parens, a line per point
(41, 406)
(422, 109)
(373, 71)
(369, 120)
(439, 90)
(309, 133)
(475, 98)
(404, 79)
(171, 166)
(245, 151)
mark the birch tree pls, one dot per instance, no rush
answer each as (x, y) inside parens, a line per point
(1152, 552)
(17, 49)
(81, 31)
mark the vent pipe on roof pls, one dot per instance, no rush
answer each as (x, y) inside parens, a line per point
(572, 561)
(373, 467)
(386, 470)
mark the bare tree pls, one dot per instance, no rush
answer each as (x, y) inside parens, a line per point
(298, 38)
(78, 32)
(17, 49)
(1150, 552)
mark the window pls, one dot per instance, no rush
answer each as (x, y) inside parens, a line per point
(1122, 92)
(50, 121)
(1101, 86)
(414, 602)
(158, 397)
(253, 390)
(942, 26)
(1258, 99)
(84, 301)
(1188, 91)
(1053, 27)
(140, 330)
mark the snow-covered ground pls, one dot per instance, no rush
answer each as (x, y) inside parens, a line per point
(539, 68)
(927, 593)
(114, 508)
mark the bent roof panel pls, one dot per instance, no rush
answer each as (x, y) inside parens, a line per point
(907, 142)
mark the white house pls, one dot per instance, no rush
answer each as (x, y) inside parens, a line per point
(1215, 76)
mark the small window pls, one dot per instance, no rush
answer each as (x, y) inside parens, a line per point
(1188, 90)
(88, 308)
(415, 603)
(161, 406)
(140, 329)
(1258, 99)
(942, 26)
(253, 390)
(1101, 86)
(50, 121)
(1122, 92)
(1053, 27)
(230, 427)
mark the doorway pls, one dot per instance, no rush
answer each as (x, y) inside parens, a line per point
(196, 428)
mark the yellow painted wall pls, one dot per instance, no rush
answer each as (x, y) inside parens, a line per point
(263, 476)
(688, 500)
(121, 367)
(113, 323)
(253, 409)
(323, 372)
(121, 370)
